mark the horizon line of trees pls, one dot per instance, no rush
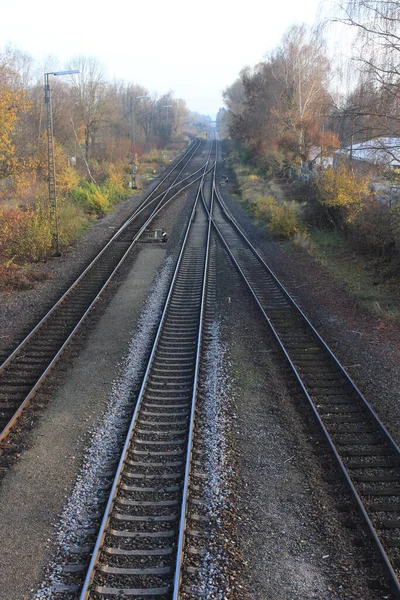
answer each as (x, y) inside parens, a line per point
(94, 118)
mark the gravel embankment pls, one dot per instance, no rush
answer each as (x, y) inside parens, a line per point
(294, 538)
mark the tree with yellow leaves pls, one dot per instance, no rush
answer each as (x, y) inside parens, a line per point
(13, 101)
(342, 192)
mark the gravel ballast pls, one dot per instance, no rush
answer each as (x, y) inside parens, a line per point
(367, 346)
(214, 422)
(77, 514)
(294, 540)
(267, 458)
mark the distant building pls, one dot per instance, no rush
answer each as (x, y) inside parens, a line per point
(372, 155)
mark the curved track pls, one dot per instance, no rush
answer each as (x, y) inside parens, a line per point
(368, 456)
(24, 371)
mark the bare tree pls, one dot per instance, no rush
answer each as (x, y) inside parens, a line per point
(90, 94)
(374, 106)
(235, 95)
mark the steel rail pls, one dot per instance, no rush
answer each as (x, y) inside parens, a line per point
(386, 435)
(112, 497)
(138, 211)
(311, 327)
(146, 203)
(16, 415)
(28, 398)
(186, 483)
(191, 150)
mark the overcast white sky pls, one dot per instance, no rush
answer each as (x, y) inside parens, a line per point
(193, 49)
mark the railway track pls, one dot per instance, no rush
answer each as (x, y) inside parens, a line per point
(368, 456)
(25, 369)
(139, 549)
(151, 519)
(155, 516)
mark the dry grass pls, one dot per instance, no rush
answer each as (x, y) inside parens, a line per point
(361, 277)
(16, 277)
(265, 200)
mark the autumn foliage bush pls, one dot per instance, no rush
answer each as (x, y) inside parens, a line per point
(264, 206)
(25, 234)
(26, 225)
(285, 219)
(369, 223)
(342, 193)
(116, 182)
(26, 239)
(92, 155)
(156, 157)
(282, 217)
(14, 277)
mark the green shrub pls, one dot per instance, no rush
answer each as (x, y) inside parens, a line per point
(99, 201)
(72, 221)
(80, 192)
(93, 198)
